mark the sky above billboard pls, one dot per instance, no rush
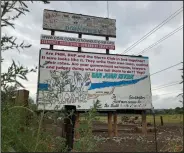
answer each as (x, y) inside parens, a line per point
(133, 20)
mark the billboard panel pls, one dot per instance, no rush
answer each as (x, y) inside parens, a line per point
(78, 78)
(77, 42)
(78, 23)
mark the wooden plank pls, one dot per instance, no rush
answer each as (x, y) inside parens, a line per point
(22, 100)
(110, 124)
(77, 135)
(144, 123)
(115, 124)
(161, 120)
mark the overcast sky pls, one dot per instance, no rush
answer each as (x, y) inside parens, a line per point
(133, 20)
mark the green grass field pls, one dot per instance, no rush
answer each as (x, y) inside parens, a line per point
(177, 118)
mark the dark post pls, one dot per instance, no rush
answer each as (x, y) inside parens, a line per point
(156, 147)
(52, 33)
(110, 124)
(161, 120)
(115, 124)
(107, 50)
(69, 126)
(22, 100)
(144, 123)
(79, 36)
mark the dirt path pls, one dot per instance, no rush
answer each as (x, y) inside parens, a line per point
(130, 141)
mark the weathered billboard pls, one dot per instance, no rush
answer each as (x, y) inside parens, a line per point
(78, 78)
(77, 23)
(76, 42)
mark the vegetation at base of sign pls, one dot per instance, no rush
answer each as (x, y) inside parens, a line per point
(87, 141)
(24, 131)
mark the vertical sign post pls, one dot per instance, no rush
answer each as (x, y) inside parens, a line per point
(69, 125)
(79, 36)
(52, 33)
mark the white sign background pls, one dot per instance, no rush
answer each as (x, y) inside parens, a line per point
(74, 78)
(77, 23)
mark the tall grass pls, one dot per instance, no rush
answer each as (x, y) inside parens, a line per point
(17, 136)
(22, 134)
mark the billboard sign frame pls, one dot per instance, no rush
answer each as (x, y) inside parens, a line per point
(102, 110)
(78, 23)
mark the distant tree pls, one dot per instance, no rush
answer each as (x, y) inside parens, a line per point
(178, 110)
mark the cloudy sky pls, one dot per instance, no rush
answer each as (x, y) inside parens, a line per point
(133, 20)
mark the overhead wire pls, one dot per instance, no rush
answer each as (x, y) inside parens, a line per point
(165, 69)
(160, 40)
(178, 92)
(154, 29)
(166, 86)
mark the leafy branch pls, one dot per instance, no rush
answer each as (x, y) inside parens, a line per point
(9, 43)
(14, 71)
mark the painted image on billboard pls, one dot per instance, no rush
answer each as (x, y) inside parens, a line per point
(77, 23)
(75, 78)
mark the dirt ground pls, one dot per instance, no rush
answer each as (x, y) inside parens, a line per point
(130, 140)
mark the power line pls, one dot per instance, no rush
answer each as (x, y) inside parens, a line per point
(166, 86)
(169, 93)
(154, 29)
(166, 69)
(162, 39)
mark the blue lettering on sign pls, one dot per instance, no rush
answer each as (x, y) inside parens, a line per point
(43, 86)
(113, 76)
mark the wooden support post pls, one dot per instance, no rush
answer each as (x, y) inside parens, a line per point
(110, 124)
(69, 127)
(107, 50)
(144, 123)
(161, 120)
(22, 100)
(115, 124)
(52, 33)
(77, 125)
(79, 36)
